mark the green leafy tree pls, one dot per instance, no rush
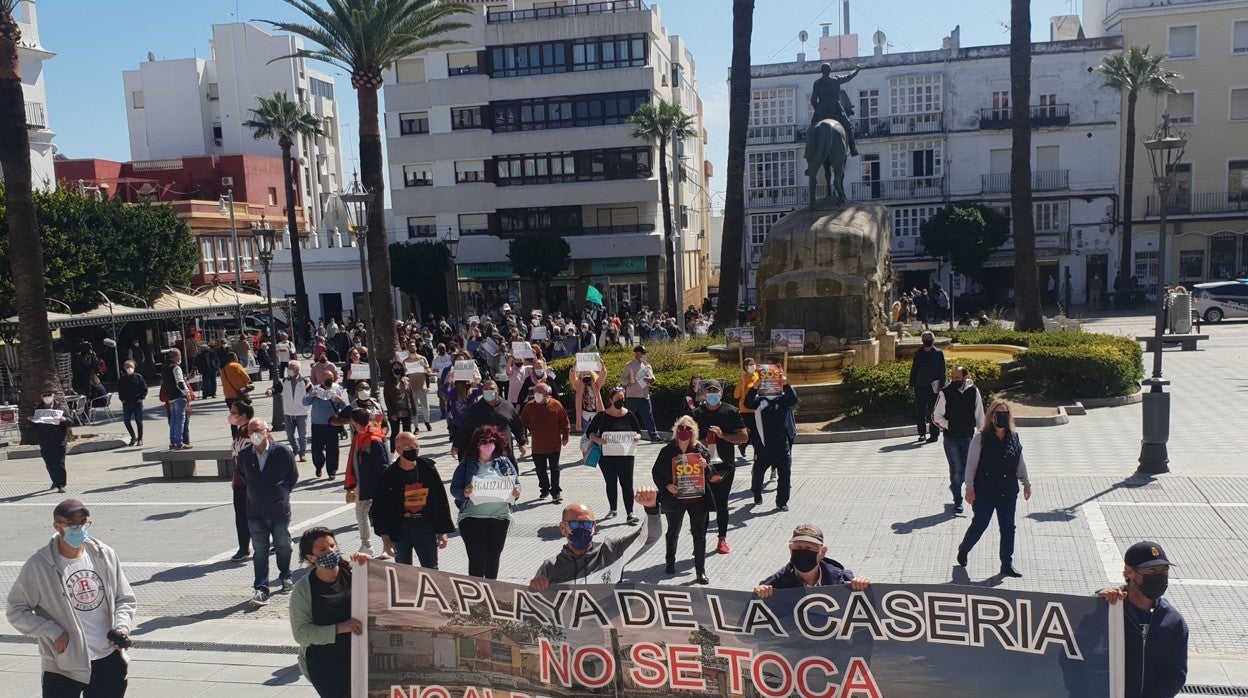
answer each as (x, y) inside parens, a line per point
(966, 235)
(730, 281)
(280, 118)
(419, 270)
(1131, 72)
(1027, 313)
(662, 124)
(364, 37)
(539, 257)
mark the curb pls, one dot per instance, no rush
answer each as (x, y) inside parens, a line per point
(1051, 420)
(860, 435)
(1132, 399)
(21, 452)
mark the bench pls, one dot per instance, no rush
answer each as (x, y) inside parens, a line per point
(180, 465)
(1186, 341)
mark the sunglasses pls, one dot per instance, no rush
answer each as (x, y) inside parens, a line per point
(574, 525)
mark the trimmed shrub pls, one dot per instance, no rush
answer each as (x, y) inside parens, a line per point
(884, 390)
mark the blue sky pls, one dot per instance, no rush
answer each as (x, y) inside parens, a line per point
(95, 42)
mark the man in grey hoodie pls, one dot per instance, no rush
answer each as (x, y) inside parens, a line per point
(583, 561)
(73, 598)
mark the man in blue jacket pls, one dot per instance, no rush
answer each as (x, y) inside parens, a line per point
(776, 429)
(808, 566)
(269, 471)
(1155, 633)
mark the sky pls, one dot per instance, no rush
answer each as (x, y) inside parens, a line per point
(95, 42)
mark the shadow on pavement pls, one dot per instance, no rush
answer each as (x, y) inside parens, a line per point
(906, 446)
(188, 572)
(179, 514)
(20, 497)
(903, 528)
(143, 481)
(961, 578)
(284, 676)
(1065, 514)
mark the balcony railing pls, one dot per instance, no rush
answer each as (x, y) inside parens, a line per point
(36, 116)
(1042, 180)
(911, 188)
(899, 125)
(570, 231)
(592, 8)
(1052, 241)
(766, 135)
(1041, 115)
(798, 195)
(1186, 203)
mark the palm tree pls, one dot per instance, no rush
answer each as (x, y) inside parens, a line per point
(662, 124)
(1129, 72)
(1028, 315)
(734, 204)
(278, 117)
(35, 359)
(363, 37)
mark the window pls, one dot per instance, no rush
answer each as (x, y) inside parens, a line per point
(1146, 270)
(916, 159)
(760, 226)
(1239, 104)
(605, 52)
(907, 221)
(915, 94)
(216, 135)
(773, 107)
(409, 70)
(206, 254)
(566, 112)
(272, 196)
(1047, 108)
(1050, 216)
(417, 175)
(1181, 107)
(1222, 256)
(136, 99)
(1191, 265)
(413, 123)
(320, 88)
(529, 59)
(465, 118)
(469, 171)
(868, 104)
(1181, 195)
(462, 63)
(1001, 105)
(769, 169)
(1237, 184)
(422, 227)
(225, 255)
(1239, 36)
(554, 219)
(474, 223)
(246, 248)
(1181, 41)
(573, 166)
(1048, 158)
(214, 91)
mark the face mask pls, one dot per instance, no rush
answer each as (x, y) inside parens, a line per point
(327, 385)
(258, 439)
(712, 399)
(129, 371)
(47, 399)
(490, 395)
(362, 394)
(804, 560)
(618, 404)
(1001, 420)
(410, 454)
(234, 419)
(587, 380)
(291, 373)
(928, 342)
(1153, 586)
(398, 372)
(539, 398)
(749, 370)
(581, 538)
(957, 385)
(329, 560)
(74, 536)
(486, 451)
(684, 433)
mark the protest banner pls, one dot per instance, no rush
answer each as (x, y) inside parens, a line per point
(474, 319)
(414, 367)
(490, 347)
(48, 416)
(689, 475)
(588, 361)
(739, 337)
(431, 634)
(401, 356)
(521, 350)
(465, 370)
(769, 384)
(492, 489)
(619, 443)
(359, 372)
(792, 341)
(538, 332)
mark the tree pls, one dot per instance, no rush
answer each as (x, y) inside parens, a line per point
(539, 257)
(36, 363)
(1027, 313)
(662, 124)
(734, 204)
(419, 270)
(364, 37)
(280, 118)
(1130, 72)
(966, 235)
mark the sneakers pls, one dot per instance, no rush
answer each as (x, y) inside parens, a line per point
(138, 442)
(383, 555)
(758, 500)
(366, 550)
(782, 507)
(260, 598)
(632, 520)
(722, 548)
(557, 499)
(241, 555)
(428, 426)
(543, 495)
(957, 508)
(610, 514)
(287, 585)
(133, 441)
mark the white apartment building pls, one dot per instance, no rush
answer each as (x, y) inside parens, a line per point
(193, 106)
(933, 128)
(520, 128)
(31, 54)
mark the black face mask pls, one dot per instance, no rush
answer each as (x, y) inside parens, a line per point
(928, 342)
(327, 384)
(1002, 421)
(618, 404)
(804, 560)
(1153, 586)
(587, 380)
(410, 454)
(957, 385)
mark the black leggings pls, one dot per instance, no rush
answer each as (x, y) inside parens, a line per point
(697, 529)
(618, 472)
(483, 541)
(405, 423)
(721, 491)
(240, 520)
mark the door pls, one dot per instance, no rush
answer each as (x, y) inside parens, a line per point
(331, 306)
(871, 175)
(1097, 275)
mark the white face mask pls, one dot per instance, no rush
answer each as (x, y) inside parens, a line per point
(539, 398)
(47, 399)
(258, 439)
(129, 371)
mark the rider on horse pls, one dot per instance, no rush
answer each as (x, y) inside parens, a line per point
(830, 102)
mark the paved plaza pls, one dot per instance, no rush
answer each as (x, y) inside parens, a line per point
(883, 505)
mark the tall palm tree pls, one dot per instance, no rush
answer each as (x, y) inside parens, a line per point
(36, 364)
(1130, 72)
(1028, 315)
(363, 37)
(734, 203)
(278, 117)
(663, 124)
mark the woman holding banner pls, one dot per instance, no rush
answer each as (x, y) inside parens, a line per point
(588, 397)
(617, 431)
(994, 467)
(681, 474)
(320, 614)
(484, 486)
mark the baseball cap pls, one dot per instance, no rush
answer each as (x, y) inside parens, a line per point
(70, 509)
(1146, 553)
(805, 533)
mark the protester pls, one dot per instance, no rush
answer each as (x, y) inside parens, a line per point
(364, 400)
(209, 368)
(73, 599)
(418, 387)
(637, 379)
(490, 410)
(131, 391)
(681, 473)
(322, 367)
(994, 467)
(959, 409)
(485, 518)
(411, 511)
(53, 438)
(617, 470)
(241, 414)
(286, 351)
(458, 396)
(745, 382)
(235, 379)
(723, 428)
(546, 420)
(927, 377)
(1156, 634)
(269, 473)
(320, 614)
(294, 387)
(366, 462)
(397, 394)
(777, 430)
(588, 397)
(325, 399)
(175, 390)
(582, 561)
(809, 566)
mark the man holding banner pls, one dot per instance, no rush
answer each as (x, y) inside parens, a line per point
(582, 561)
(808, 566)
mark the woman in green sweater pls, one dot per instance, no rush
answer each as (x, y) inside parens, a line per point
(320, 614)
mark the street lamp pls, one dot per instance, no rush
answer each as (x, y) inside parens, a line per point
(451, 241)
(226, 203)
(264, 250)
(357, 201)
(1165, 149)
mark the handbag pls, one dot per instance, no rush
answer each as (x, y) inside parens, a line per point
(593, 456)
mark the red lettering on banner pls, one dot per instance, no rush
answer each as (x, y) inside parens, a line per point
(569, 665)
(858, 678)
(803, 668)
(649, 671)
(435, 692)
(786, 675)
(686, 667)
(734, 657)
(546, 658)
(418, 692)
(608, 666)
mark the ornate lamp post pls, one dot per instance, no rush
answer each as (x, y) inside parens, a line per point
(451, 242)
(1165, 149)
(358, 200)
(264, 250)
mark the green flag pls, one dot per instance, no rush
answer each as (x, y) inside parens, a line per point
(593, 295)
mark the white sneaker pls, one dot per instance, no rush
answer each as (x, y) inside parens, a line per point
(382, 556)
(260, 598)
(366, 549)
(287, 586)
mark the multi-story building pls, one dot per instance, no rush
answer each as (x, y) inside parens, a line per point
(193, 106)
(933, 128)
(520, 128)
(31, 54)
(1207, 43)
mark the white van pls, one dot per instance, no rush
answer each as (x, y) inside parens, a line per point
(1220, 299)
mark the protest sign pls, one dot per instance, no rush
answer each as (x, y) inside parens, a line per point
(739, 337)
(492, 489)
(401, 356)
(359, 372)
(490, 347)
(769, 384)
(588, 361)
(521, 350)
(474, 320)
(538, 332)
(415, 367)
(689, 475)
(791, 341)
(48, 416)
(432, 634)
(465, 370)
(619, 443)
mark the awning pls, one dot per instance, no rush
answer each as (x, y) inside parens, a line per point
(214, 300)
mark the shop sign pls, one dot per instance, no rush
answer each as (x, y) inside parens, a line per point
(626, 265)
(486, 270)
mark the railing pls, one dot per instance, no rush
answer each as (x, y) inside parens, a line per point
(593, 8)
(1185, 203)
(766, 135)
(36, 116)
(1042, 180)
(798, 195)
(911, 188)
(1052, 240)
(464, 70)
(899, 125)
(1041, 115)
(632, 229)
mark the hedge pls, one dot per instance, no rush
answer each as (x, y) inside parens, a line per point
(884, 389)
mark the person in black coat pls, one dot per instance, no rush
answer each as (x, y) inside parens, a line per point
(209, 367)
(775, 439)
(682, 473)
(131, 390)
(53, 438)
(411, 511)
(927, 377)
(268, 505)
(490, 410)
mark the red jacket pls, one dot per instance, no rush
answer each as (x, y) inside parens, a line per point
(368, 441)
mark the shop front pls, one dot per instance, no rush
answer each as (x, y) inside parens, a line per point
(483, 288)
(625, 283)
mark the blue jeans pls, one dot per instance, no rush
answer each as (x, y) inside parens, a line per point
(177, 421)
(983, 509)
(645, 414)
(425, 545)
(262, 530)
(956, 449)
(299, 422)
(132, 413)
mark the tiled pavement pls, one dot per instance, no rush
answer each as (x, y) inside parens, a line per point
(882, 504)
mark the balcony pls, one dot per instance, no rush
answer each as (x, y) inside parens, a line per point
(1042, 180)
(36, 116)
(899, 125)
(911, 188)
(1052, 241)
(592, 8)
(1041, 115)
(1185, 203)
(571, 231)
(776, 197)
(767, 135)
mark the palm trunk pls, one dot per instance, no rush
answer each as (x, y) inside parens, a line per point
(377, 239)
(36, 363)
(734, 204)
(1028, 315)
(299, 319)
(1126, 265)
(665, 197)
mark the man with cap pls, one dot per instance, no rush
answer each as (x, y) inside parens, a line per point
(808, 567)
(582, 561)
(73, 598)
(1155, 632)
(722, 428)
(637, 379)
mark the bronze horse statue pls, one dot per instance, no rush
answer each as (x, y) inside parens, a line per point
(827, 146)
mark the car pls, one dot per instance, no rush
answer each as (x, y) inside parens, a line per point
(1219, 300)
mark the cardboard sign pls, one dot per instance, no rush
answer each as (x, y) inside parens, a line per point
(538, 332)
(769, 384)
(415, 367)
(492, 489)
(359, 372)
(490, 347)
(52, 417)
(465, 370)
(689, 475)
(474, 320)
(588, 361)
(401, 356)
(739, 337)
(521, 350)
(619, 443)
(793, 340)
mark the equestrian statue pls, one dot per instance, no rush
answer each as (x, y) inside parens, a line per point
(830, 138)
